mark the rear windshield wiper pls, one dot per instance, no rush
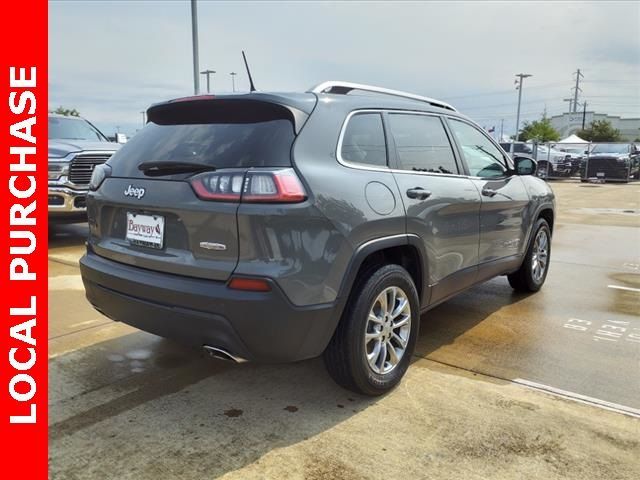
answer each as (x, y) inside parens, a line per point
(167, 168)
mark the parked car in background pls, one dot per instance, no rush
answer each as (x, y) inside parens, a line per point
(277, 227)
(576, 154)
(519, 149)
(613, 162)
(553, 162)
(76, 147)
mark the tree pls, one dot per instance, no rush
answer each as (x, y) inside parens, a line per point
(539, 130)
(601, 131)
(67, 112)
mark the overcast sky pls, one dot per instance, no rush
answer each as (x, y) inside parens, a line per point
(111, 60)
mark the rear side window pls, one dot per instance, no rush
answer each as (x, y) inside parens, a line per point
(364, 140)
(235, 136)
(422, 144)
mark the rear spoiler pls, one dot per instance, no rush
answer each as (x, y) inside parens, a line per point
(233, 108)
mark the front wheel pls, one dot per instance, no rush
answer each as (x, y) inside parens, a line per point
(372, 346)
(544, 170)
(532, 273)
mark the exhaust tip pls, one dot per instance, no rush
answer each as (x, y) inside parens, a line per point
(222, 354)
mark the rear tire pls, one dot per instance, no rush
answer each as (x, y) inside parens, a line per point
(371, 322)
(533, 272)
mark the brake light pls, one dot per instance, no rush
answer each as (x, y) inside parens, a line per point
(278, 186)
(255, 186)
(249, 284)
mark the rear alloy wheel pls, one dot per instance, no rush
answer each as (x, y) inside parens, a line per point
(532, 273)
(388, 329)
(372, 346)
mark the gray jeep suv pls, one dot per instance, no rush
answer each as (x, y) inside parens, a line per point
(278, 227)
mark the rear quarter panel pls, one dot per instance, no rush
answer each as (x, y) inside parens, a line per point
(541, 198)
(337, 194)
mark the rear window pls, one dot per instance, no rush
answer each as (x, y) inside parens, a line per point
(422, 144)
(220, 140)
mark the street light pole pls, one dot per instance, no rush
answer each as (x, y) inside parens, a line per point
(194, 40)
(233, 80)
(521, 77)
(208, 73)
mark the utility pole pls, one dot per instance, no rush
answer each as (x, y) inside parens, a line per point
(144, 118)
(519, 80)
(576, 90)
(194, 41)
(233, 80)
(208, 73)
(584, 113)
(570, 100)
(501, 129)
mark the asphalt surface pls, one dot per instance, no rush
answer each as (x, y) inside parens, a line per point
(127, 404)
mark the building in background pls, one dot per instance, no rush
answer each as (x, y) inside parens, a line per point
(571, 122)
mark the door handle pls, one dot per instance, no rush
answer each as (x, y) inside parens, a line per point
(488, 192)
(418, 193)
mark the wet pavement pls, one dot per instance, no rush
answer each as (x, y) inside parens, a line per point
(127, 404)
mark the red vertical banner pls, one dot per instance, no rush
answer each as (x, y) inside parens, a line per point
(23, 350)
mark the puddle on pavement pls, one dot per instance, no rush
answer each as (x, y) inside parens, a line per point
(631, 280)
(606, 211)
(233, 412)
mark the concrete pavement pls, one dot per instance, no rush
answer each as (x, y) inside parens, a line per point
(126, 404)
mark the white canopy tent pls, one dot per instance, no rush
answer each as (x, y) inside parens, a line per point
(573, 139)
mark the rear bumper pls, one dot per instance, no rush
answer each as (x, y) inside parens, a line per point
(256, 326)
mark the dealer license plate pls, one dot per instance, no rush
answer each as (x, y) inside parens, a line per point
(600, 174)
(145, 230)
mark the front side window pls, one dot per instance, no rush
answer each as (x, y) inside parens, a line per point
(364, 140)
(422, 144)
(483, 158)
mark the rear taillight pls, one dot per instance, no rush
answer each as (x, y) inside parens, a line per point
(277, 186)
(255, 186)
(223, 187)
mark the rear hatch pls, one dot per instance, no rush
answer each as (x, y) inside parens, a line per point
(171, 199)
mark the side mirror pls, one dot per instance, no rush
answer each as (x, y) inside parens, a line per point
(525, 165)
(121, 138)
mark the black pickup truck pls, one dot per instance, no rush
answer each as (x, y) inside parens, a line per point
(615, 162)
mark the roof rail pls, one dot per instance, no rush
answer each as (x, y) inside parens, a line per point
(333, 86)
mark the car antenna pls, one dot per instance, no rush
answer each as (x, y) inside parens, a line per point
(252, 87)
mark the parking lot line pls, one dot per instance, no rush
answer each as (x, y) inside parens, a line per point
(596, 402)
(628, 289)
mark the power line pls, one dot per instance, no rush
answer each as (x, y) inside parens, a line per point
(502, 92)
